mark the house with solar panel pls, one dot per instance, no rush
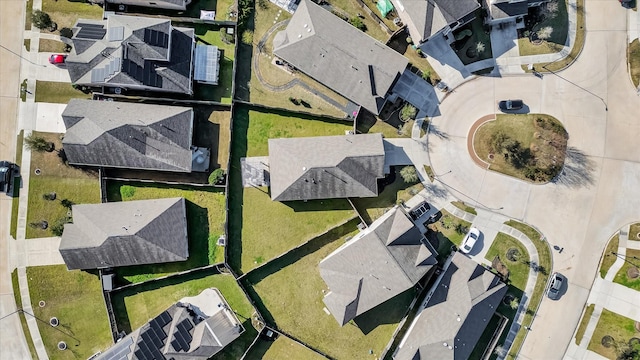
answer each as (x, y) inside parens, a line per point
(194, 328)
(131, 136)
(139, 53)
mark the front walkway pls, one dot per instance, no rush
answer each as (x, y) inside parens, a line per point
(605, 294)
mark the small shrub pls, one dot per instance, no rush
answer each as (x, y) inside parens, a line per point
(409, 174)
(66, 33)
(408, 112)
(514, 303)
(41, 20)
(127, 191)
(426, 74)
(58, 228)
(461, 229)
(357, 22)
(247, 37)
(216, 176)
(226, 38)
(480, 47)
(38, 144)
(419, 51)
(409, 40)
(545, 33)
(66, 203)
(49, 196)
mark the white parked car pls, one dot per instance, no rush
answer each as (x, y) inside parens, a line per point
(470, 240)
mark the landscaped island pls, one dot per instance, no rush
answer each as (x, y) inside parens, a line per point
(530, 147)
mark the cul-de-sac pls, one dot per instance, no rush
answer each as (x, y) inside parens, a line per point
(319, 179)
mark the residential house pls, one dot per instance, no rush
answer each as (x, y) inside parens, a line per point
(132, 136)
(340, 56)
(194, 328)
(382, 261)
(125, 233)
(326, 167)
(180, 5)
(133, 52)
(454, 314)
(428, 18)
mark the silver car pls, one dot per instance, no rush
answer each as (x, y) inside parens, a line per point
(556, 284)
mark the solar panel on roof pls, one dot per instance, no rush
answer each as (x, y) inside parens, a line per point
(85, 25)
(91, 33)
(165, 317)
(176, 345)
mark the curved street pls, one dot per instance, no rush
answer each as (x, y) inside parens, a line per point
(598, 190)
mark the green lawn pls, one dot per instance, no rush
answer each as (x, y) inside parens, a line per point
(213, 130)
(560, 25)
(75, 298)
(256, 238)
(205, 223)
(634, 231)
(282, 348)
(210, 35)
(614, 325)
(372, 208)
(290, 293)
(608, 258)
(15, 201)
(68, 182)
(57, 92)
(634, 61)
(464, 207)
(65, 12)
(531, 147)
(583, 323)
(632, 261)
(46, 45)
(519, 269)
(135, 306)
(544, 261)
(444, 233)
(23, 320)
(27, 16)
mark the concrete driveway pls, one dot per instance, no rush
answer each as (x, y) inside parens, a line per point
(598, 191)
(48, 72)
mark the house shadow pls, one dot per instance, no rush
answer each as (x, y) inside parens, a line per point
(318, 205)
(206, 133)
(389, 312)
(257, 302)
(244, 60)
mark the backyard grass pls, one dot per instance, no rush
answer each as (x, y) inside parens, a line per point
(632, 261)
(57, 92)
(519, 269)
(47, 45)
(23, 320)
(464, 207)
(529, 147)
(66, 12)
(634, 231)
(583, 323)
(544, 263)
(15, 201)
(634, 61)
(608, 258)
(368, 124)
(467, 48)
(560, 25)
(290, 293)
(614, 325)
(75, 298)
(210, 35)
(282, 348)
(68, 182)
(205, 224)
(214, 131)
(444, 233)
(372, 208)
(134, 306)
(352, 9)
(27, 16)
(577, 46)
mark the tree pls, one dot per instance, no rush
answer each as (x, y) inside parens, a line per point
(409, 174)
(480, 47)
(216, 176)
(408, 112)
(514, 303)
(357, 22)
(38, 143)
(545, 32)
(41, 20)
(500, 351)
(66, 33)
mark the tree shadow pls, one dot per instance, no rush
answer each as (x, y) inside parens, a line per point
(433, 129)
(436, 190)
(578, 170)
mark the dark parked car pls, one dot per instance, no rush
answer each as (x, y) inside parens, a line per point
(8, 172)
(509, 105)
(556, 284)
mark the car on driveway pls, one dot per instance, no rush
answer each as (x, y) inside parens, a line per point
(557, 280)
(57, 59)
(510, 105)
(8, 174)
(470, 240)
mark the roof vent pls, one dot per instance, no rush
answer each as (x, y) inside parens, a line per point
(305, 26)
(299, 36)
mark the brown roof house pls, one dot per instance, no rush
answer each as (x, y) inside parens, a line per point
(325, 167)
(126, 233)
(382, 261)
(338, 55)
(426, 18)
(130, 135)
(196, 327)
(454, 314)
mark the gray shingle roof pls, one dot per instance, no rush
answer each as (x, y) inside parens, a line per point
(427, 17)
(339, 56)
(136, 52)
(128, 135)
(505, 9)
(325, 167)
(457, 313)
(379, 263)
(125, 233)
